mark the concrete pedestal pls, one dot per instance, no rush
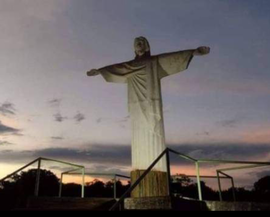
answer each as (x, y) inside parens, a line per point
(148, 203)
(155, 184)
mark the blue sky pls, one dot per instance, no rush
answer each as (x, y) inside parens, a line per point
(48, 104)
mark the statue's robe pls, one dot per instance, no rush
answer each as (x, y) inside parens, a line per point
(143, 78)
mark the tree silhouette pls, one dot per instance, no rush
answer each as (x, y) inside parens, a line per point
(262, 189)
(49, 183)
(16, 191)
(22, 186)
(263, 185)
(183, 186)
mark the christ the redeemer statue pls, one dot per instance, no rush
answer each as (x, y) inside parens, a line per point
(143, 77)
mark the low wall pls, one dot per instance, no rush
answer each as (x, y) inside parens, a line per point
(237, 206)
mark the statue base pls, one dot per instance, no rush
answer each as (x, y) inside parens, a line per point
(155, 184)
(148, 203)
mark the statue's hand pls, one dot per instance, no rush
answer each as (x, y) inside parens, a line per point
(93, 72)
(202, 51)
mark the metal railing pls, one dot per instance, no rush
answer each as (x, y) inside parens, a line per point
(39, 162)
(218, 177)
(197, 163)
(114, 177)
(69, 172)
(222, 171)
(166, 152)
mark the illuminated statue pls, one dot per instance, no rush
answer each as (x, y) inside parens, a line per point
(143, 77)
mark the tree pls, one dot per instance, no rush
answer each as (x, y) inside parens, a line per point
(49, 183)
(120, 188)
(262, 189)
(71, 190)
(16, 191)
(95, 188)
(263, 185)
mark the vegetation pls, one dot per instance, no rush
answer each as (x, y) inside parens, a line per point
(15, 192)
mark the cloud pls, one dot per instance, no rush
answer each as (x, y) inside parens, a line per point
(59, 118)
(225, 151)
(45, 11)
(79, 117)
(5, 143)
(205, 133)
(230, 123)
(118, 120)
(203, 85)
(120, 156)
(7, 108)
(117, 159)
(260, 135)
(57, 138)
(97, 168)
(106, 159)
(124, 120)
(99, 120)
(55, 102)
(262, 174)
(98, 154)
(8, 130)
(121, 122)
(117, 156)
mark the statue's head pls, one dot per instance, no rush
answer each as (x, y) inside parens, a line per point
(142, 47)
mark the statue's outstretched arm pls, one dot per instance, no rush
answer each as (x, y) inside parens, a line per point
(118, 73)
(172, 63)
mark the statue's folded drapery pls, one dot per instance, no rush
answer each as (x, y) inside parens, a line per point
(145, 102)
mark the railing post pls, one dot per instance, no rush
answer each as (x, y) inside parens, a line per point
(114, 188)
(38, 178)
(233, 190)
(219, 187)
(83, 182)
(61, 186)
(199, 181)
(168, 162)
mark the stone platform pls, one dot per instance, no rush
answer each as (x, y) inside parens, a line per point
(158, 203)
(211, 206)
(73, 204)
(148, 203)
(237, 206)
(176, 204)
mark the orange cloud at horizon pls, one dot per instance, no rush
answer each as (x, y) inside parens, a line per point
(257, 136)
(6, 169)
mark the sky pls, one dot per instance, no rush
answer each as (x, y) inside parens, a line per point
(217, 109)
